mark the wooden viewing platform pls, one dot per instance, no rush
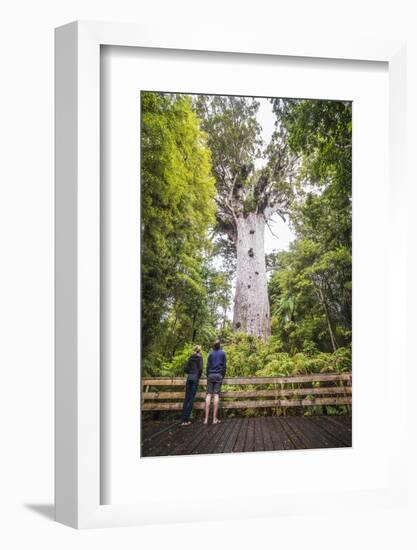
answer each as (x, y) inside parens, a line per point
(280, 430)
(232, 435)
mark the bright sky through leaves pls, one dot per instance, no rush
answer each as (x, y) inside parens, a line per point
(282, 232)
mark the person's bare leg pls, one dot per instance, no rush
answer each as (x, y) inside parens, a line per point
(216, 409)
(207, 410)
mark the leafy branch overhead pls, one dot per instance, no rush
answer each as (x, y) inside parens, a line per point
(234, 138)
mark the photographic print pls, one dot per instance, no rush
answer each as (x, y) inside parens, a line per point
(246, 274)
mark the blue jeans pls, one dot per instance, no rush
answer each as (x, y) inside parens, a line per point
(190, 391)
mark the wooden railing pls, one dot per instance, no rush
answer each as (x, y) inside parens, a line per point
(281, 391)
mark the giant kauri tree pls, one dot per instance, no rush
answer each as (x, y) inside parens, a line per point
(247, 197)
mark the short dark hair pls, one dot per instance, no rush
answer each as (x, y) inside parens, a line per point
(216, 344)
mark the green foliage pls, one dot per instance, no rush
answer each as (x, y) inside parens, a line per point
(250, 356)
(249, 204)
(234, 135)
(234, 138)
(310, 295)
(323, 130)
(177, 211)
(321, 133)
(175, 367)
(311, 291)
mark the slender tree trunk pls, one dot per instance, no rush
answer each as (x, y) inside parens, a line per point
(193, 329)
(329, 325)
(251, 308)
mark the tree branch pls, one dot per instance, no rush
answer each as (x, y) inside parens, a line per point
(269, 227)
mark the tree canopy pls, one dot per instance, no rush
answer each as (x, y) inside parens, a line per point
(234, 138)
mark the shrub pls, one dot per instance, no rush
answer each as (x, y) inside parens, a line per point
(250, 356)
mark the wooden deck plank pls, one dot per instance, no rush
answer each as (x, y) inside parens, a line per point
(293, 436)
(164, 446)
(221, 444)
(158, 428)
(343, 423)
(250, 436)
(319, 438)
(219, 431)
(303, 430)
(280, 439)
(240, 441)
(213, 433)
(259, 438)
(246, 435)
(148, 428)
(160, 437)
(342, 434)
(285, 442)
(266, 435)
(321, 429)
(188, 437)
(199, 438)
(344, 420)
(160, 444)
(237, 424)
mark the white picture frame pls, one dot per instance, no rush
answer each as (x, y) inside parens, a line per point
(78, 426)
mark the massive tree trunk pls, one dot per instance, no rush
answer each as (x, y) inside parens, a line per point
(251, 307)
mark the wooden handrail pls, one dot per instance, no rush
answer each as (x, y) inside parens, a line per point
(256, 393)
(256, 380)
(153, 400)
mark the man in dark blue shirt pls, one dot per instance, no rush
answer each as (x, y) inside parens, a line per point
(216, 370)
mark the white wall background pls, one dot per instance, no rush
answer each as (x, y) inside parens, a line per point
(26, 273)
